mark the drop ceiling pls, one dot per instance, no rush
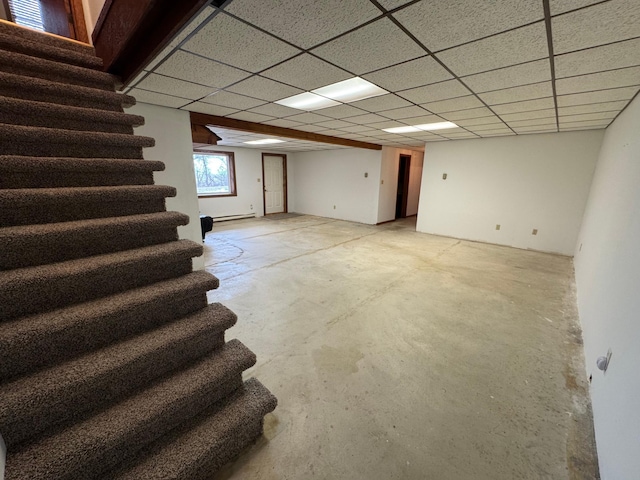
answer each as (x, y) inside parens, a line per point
(507, 67)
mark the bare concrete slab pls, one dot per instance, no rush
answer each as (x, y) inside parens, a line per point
(401, 355)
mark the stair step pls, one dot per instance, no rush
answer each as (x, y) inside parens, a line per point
(31, 245)
(57, 142)
(34, 404)
(200, 448)
(30, 343)
(46, 51)
(24, 33)
(27, 172)
(17, 111)
(20, 64)
(51, 205)
(99, 443)
(29, 88)
(26, 291)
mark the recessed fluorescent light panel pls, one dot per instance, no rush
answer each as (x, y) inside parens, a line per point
(264, 141)
(436, 126)
(401, 129)
(350, 90)
(307, 101)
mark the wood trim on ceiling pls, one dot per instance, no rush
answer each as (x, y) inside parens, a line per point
(253, 127)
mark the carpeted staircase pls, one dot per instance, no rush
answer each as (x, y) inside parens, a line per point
(112, 364)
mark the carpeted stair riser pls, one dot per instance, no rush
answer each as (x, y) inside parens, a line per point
(90, 448)
(44, 205)
(54, 397)
(54, 142)
(204, 444)
(36, 89)
(26, 172)
(28, 66)
(30, 343)
(17, 111)
(26, 34)
(31, 245)
(32, 290)
(49, 52)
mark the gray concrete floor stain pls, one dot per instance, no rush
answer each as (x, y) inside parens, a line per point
(396, 354)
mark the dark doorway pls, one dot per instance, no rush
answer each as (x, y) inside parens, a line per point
(62, 17)
(403, 186)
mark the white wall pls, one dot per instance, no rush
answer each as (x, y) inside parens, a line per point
(92, 9)
(389, 182)
(608, 282)
(521, 183)
(172, 130)
(326, 178)
(249, 199)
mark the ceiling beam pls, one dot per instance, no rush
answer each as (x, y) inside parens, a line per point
(233, 124)
(201, 134)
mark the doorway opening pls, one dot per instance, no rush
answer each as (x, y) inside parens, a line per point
(61, 17)
(402, 195)
(274, 178)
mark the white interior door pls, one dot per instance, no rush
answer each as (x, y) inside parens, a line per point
(273, 183)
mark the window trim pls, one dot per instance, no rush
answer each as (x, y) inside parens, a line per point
(232, 173)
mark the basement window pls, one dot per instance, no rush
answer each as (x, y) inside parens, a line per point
(27, 13)
(215, 174)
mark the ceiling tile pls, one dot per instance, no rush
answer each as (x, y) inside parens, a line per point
(546, 113)
(405, 112)
(275, 110)
(590, 127)
(421, 120)
(477, 121)
(233, 100)
(460, 135)
(518, 94)
(588, 116)
(387, 124)
(435, 92)
(308, 117)
(186, 66)
(415, 73)
(624, 77)
(137, 78)
(489, 131)
(217, 110)
(440, 25)
(454, 104)
(607, 57)
(342, 111)
(332, 132)
(526, 106)
(357, 128)
(264, 89)
(490, 127)
(235, 43)
(143, 96)
(306, 72)
(173, 86)
(517, 46)
(561, 6)
(310, 128)
(531, 72)
(368, 118)
(591, 123)
(496, 134)
(305, 23)
(597, 97)
(532, 123)
(536, 129)
(381, 103)
(377, 45)
(334, 124)
(593, 108)
(471, 113)
(604, 23)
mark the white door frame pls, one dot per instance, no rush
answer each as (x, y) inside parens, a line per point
(284, 182)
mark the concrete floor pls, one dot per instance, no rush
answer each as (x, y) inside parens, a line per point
(401, 355)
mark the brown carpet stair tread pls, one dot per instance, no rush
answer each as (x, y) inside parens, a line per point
(24, 33)
(51, 112)
(20, 64)
(32, 245)
(206, 443)
(30, 88)
(29, 343)
(52, 396)
(101, 442)
(18, 163)
(31, 290)
(49, 52)
(21, 133)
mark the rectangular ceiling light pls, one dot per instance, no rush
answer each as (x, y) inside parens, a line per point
(436, 126)
(307, 101)
(350, 90)
(401, 129)
(264, 141)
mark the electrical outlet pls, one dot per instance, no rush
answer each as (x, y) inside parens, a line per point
(258, 180)
(444, 176)
(251, 207)
(534, 232)
(334, 207)
(498, 227)
(366, 174)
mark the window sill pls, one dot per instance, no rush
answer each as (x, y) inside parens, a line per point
(215, 195)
